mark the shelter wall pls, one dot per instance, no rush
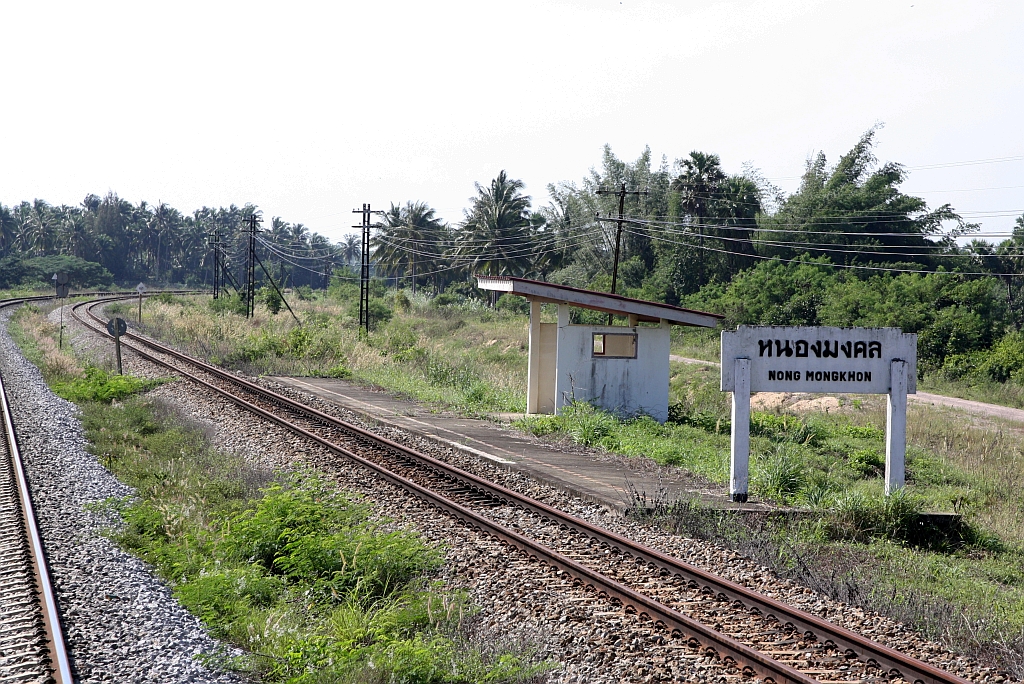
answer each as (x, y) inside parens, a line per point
(625, 386)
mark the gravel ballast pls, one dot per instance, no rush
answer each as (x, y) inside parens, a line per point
(121, 623)
(592, 641)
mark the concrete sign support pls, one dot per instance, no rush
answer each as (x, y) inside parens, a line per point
(739, 464)
(896, 428)
(819, 359)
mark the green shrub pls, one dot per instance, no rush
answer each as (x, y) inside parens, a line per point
(1006, 358)
(445, 299)
(304, 293)
(233, 303)
(513, 304)
(340, 371)
(269, 297)
(867, 462)
(99, 385)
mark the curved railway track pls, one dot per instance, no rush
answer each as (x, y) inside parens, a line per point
(759, 636)
(32, 647)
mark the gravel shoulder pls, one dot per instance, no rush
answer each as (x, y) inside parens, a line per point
(122, 624)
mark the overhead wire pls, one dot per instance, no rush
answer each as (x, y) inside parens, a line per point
(829, 265)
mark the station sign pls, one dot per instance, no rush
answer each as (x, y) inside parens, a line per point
(819, 359)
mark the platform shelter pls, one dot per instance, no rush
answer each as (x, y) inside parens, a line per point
(622, 369)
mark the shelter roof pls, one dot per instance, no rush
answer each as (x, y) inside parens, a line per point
(651, 312)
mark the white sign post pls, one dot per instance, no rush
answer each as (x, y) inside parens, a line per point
(818, 359)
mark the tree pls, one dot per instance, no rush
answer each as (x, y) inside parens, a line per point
(855, 213)
(411, 236)
(699, 188)
(495, 236)
(351, 249)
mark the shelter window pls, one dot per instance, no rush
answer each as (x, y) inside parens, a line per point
(615, 345)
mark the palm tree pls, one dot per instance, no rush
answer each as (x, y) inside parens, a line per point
(410, 236)
(351, 249)
(495, 237)
(698, 187)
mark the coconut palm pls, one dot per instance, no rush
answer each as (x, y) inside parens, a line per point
(411, 236)
(495, 237)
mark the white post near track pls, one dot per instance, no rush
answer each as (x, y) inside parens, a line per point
(739, 464)
(819, 359)
(896, 428)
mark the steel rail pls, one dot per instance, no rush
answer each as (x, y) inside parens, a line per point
(750, 661)
(872, 653)
(51, 615)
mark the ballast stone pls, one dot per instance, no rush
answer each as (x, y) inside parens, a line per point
(122, 624)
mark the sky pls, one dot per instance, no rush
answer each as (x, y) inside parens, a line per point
(309, 110)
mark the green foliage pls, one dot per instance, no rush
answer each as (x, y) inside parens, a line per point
(779, 474)
(512, 304)
(270, 298)
(379, 311)
(1006, 360)
(234, 303)
(340, 371)
(304, 579)
(304, 293)
(16, 270)
(99, 385)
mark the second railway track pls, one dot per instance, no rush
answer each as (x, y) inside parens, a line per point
(763, 637)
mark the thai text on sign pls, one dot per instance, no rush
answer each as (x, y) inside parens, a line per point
(818, 359)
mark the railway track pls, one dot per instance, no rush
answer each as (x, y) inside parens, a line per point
(757, 635)
(32, 645)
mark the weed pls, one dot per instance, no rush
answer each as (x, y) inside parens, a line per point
(99, 385)
(779, 474)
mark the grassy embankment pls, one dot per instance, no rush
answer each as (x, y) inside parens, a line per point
(467, 357)
(964, 586)
(310, 582)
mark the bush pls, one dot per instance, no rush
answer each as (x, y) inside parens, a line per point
(234, 303)
(98, 385)
(445, 299)
(513, 304)
(1006, 358)
(380, 312)
(269, 297)
(467, 291)
(304, 293)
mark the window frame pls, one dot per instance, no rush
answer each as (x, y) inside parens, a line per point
(594, 354)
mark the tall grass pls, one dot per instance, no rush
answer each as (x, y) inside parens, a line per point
(466, 356)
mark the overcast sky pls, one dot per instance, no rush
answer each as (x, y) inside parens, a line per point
(310, 109)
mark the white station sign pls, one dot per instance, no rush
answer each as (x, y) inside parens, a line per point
(819, 359)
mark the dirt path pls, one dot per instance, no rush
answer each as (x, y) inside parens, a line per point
(974, 407)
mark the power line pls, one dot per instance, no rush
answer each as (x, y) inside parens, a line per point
(831, 265)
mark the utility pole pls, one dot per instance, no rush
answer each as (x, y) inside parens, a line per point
(621, 192)
(364, 269)
(252, 222)
(216, 263)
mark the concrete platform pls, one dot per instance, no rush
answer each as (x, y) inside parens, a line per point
(604, 479)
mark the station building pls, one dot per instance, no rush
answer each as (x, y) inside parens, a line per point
(621, 369)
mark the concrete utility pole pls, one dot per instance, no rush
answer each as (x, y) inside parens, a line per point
(621, 192)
